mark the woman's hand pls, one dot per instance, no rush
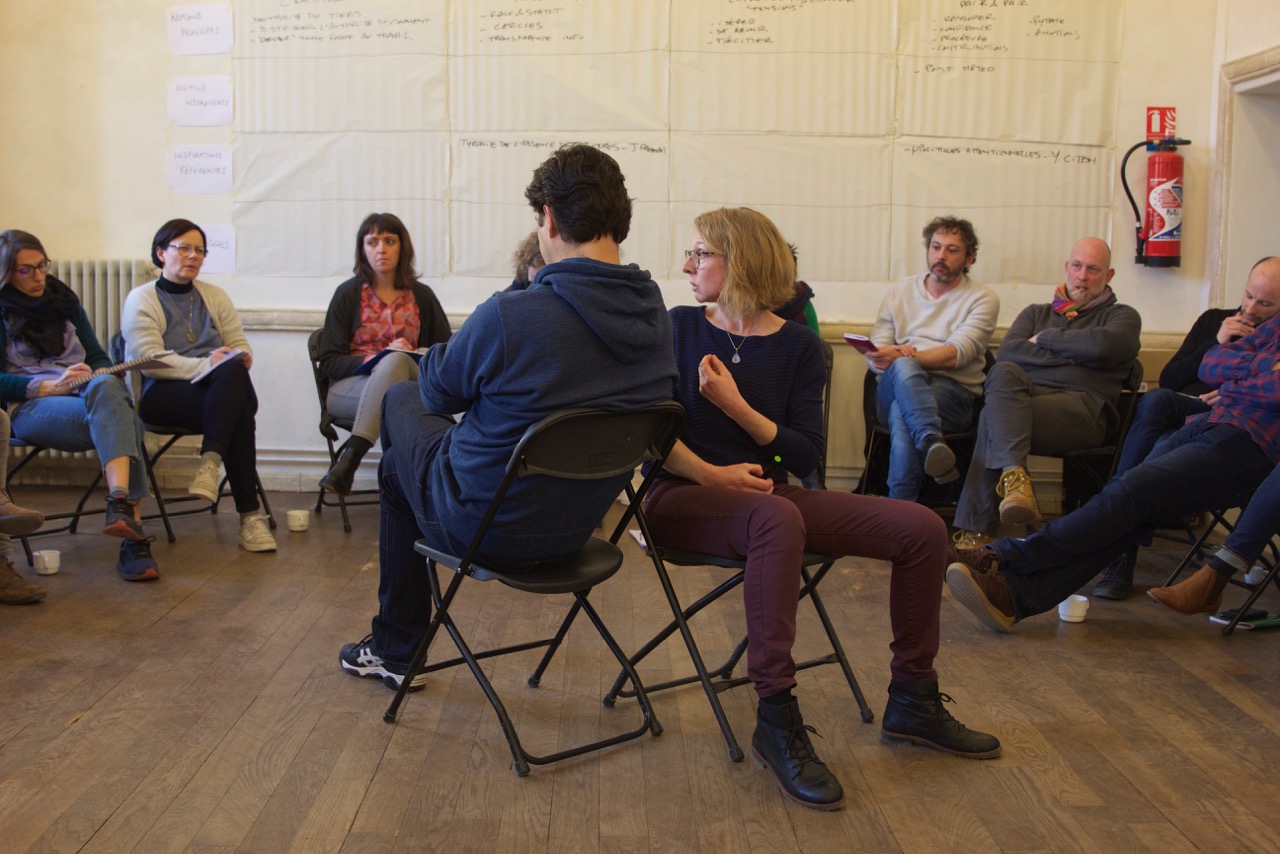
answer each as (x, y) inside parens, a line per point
(223, 353)
(744, 477)
(62, 385)
(881, 358)
(717, 385)
(401, 344)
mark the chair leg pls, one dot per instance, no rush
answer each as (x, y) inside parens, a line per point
(536, 678)
(1215, 518)
(735, 752)
(155, 490)
(420, 654)
(811, 589)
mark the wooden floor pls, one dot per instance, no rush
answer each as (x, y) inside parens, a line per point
(206, 712)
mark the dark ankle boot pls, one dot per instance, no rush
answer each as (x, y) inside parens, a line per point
(915, 715)
(781, 744)
(343, 472)
(1117, 580)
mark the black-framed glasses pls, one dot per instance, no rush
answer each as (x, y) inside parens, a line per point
(186, 250)
(26, 271)
(696, 256)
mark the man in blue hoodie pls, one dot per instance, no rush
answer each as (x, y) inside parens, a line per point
(588, 331)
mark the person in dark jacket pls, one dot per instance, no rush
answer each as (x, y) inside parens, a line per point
(588, 331)
(379, 323)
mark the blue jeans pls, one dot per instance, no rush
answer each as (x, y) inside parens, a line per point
(1259, 522)
(1200, 467)
(99, 419)
(916, 404)
(1160, 412)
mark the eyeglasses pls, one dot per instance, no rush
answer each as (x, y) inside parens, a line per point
(186, 250)
(26, 271)
(696, 256)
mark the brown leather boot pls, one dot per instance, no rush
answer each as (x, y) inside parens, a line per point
(17, 521)
(1199, 594)
(14, 589)
(1018, 505)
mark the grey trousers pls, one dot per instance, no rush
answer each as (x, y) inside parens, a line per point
(359, 398)
(1018, 419)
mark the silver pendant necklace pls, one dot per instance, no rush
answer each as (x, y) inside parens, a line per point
(189, 320)
(736, 347)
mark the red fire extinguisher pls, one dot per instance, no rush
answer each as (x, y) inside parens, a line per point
(1159, 242)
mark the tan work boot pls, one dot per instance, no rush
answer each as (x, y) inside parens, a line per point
(14, 589)
(17, 521)
(1018, 506)
(1199, 594)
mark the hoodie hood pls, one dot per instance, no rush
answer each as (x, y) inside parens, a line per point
(621, 305)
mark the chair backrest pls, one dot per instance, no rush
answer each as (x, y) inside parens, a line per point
(115, 349)
(1126, 406)
(589, 444)
(322, 385)
(829, 359)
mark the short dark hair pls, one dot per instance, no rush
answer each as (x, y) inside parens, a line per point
(528, 254)
(385, 223)
(960, 226)
(586, 192)
(12, 242)
(171, 229)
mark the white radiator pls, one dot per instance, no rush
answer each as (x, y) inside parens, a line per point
(102, 287)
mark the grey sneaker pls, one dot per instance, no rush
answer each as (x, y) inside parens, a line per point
(205, 483)
(359, 659)
(255, 534)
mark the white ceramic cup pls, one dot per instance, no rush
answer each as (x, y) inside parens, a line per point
(298, 519)
(48, 561)
(1073, 608)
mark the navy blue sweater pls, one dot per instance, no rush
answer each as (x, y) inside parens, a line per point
(781, 376)
(584, 333)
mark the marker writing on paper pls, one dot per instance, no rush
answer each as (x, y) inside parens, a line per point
(771, 467)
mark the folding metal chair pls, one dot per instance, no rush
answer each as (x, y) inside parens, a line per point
(723, 674)
(327, 424)
(1198, 554)
(576, 444)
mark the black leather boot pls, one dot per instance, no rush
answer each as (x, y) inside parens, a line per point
(781, 744)
(1117, 580)
(915, 715)
(343, 472)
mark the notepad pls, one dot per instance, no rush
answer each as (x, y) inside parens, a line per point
(367, 367)
(143, 363)
(861, 343)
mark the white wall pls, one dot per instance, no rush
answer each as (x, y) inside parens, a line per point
(82, 165)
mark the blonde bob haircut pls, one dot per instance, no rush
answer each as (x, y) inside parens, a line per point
(760, 271)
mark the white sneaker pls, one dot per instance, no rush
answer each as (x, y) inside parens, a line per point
(255, 534)
(205, 483)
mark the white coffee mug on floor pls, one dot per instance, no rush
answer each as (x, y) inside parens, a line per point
(48, 561)
(298, 519)
(1073, 608)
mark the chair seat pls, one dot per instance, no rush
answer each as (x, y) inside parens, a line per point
(594, 563)
(684, 558)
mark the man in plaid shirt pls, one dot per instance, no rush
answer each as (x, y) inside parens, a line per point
(1216, 460)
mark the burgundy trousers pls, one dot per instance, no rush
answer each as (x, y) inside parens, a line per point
(772, 532)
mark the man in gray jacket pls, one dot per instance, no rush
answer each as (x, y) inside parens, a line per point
(1058, 373)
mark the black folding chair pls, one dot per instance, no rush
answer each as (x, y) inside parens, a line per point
(576, 444)
(724, 673)
(1086, 471)
(1198, 553)
(328, 423)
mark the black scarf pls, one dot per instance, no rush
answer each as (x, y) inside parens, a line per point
(39, 322)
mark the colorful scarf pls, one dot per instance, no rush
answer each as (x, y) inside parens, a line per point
(1070, 309)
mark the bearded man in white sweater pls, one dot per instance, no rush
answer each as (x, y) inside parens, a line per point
(931, 335)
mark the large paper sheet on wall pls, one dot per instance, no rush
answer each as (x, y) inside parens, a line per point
(849, 122)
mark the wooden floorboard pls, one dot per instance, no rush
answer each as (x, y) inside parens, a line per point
(206, 713)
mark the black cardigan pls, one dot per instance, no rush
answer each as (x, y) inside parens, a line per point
(343, 318)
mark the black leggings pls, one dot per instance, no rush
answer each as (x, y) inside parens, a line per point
(222, 407)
